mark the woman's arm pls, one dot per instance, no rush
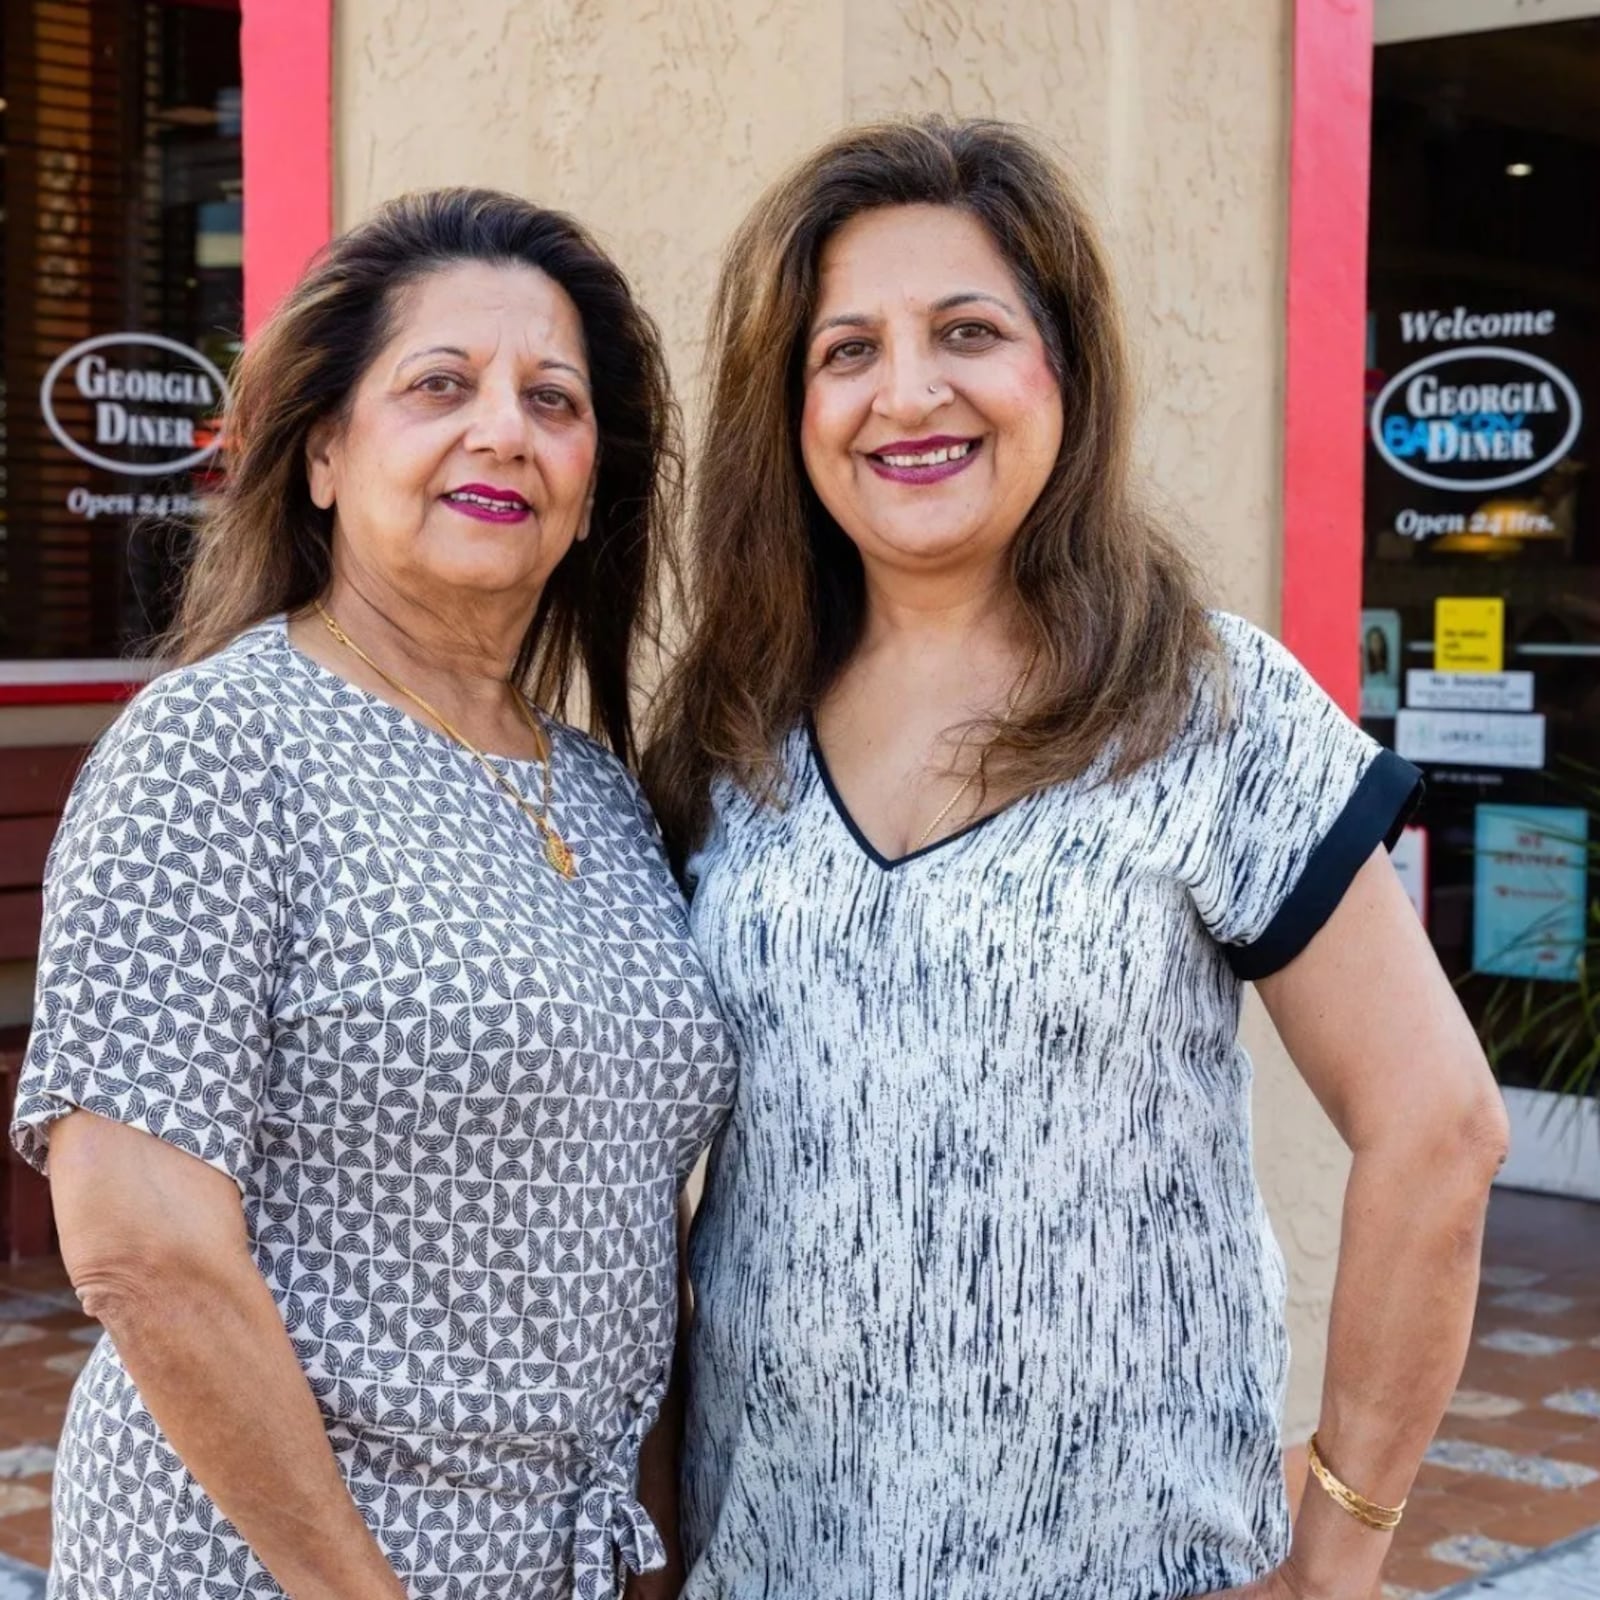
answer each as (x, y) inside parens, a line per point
(659, 1456)
(155, 1243)
(1376, 1031)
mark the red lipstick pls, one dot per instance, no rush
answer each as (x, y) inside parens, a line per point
(486, 503)
(921, 461)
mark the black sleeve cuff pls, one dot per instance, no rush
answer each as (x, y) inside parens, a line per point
(1377, 810)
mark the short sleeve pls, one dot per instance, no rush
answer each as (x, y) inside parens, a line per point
(1298, 798)
(162, 913)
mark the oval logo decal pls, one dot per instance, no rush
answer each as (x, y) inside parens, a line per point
(136, 403)
(1481, 417)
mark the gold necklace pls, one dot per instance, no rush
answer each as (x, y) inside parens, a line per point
(556, 850)
(978, 771)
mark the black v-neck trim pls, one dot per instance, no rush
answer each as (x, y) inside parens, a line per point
(868, 849)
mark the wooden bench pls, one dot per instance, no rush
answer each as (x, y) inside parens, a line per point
(34, 784)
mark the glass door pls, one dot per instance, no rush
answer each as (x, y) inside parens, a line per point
(1480, 634)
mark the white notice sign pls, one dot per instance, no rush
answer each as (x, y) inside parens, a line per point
(1469, 691)
(1470, 738)
(1410, 858)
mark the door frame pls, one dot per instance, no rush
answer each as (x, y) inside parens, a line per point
(286, 57)
(1399, 20)
(1324, 450)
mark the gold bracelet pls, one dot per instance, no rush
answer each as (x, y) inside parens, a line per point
(1384, 1518)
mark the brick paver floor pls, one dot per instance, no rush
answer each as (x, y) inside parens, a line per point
(44, 1341)
(1566, 1571)
(1516, 1466)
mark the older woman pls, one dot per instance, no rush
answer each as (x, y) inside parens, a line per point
(990, 822)
(371, 1051)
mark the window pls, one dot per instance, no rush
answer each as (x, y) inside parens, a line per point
(121, 316)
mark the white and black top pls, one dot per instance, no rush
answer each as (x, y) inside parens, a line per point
(987, 1300)
(300, 936)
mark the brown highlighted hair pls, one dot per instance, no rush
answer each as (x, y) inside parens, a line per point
(775, 588)
(263, 546)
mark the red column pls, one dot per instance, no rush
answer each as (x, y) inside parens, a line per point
(1324, 436)
(286, 54)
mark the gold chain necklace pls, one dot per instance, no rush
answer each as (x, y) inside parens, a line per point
(556, 850)
(978, 771)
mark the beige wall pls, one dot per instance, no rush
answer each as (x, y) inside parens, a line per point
(658, 122)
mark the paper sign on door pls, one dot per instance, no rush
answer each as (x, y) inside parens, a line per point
(1529, 891)
(1471, 738)
(1469, 635)
(1469, 691)
(1410, 858)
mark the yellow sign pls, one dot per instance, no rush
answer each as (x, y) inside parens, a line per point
(1469, 635)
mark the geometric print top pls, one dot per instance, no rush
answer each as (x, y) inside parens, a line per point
(296, 933)
(987, 1302)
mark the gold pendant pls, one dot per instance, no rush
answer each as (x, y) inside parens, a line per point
(558, 854)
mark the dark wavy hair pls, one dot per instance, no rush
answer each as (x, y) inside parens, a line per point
(775, 588)
(263, 547)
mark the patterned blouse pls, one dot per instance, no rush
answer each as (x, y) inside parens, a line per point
(987, 1300)
(295, 933)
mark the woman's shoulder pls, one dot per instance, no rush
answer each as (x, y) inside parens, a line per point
(1247, 676)
(1249, 654)
(1247, 688)
(227, 709)
(1234, 635)
(252, 669)
(600, 764)
(763, 796)
(610, 781)
(1266, 718)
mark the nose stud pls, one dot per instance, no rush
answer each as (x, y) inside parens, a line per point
(933, 388)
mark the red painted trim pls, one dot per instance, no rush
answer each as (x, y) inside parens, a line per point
(1324, 444)
(286, 54)
(66, 694)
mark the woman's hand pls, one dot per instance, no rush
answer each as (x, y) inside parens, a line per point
(1285, 1583)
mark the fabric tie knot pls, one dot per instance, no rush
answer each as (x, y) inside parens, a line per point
(611, 1523)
